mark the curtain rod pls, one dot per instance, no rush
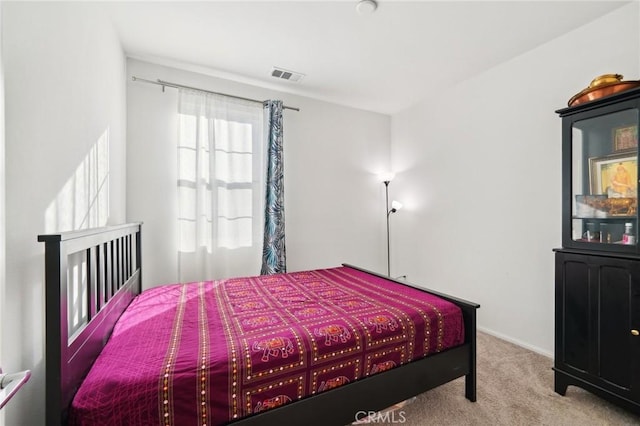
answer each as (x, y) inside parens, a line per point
(180, 86)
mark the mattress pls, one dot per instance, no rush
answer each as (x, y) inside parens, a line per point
(210, 352)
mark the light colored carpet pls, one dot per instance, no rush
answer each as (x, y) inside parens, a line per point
(515, 387)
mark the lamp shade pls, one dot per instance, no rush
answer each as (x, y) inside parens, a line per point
(396, 205)
(387, 176)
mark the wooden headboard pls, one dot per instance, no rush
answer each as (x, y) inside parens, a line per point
(91, 276)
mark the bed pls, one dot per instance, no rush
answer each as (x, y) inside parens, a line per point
(331, 353)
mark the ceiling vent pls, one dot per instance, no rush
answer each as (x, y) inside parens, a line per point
(286, 74)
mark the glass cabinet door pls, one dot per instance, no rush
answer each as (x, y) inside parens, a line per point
(604, 181)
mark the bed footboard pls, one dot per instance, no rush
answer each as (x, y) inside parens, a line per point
(469, 316)
(91, 276)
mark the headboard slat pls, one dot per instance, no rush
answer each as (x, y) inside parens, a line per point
(92, 278)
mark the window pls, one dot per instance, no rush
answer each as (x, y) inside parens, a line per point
(220, 179)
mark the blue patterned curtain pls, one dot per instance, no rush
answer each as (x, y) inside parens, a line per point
(273, 250)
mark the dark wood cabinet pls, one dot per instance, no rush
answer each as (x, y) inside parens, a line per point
(597, 284)
(597, 308)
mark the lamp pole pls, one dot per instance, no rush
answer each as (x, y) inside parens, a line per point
(386, 190)
(395, 206)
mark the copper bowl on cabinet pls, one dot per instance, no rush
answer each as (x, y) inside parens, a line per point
(604, 85)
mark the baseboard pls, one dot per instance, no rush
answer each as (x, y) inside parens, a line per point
(516, 342)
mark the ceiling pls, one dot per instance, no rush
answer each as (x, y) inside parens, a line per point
(383, 62)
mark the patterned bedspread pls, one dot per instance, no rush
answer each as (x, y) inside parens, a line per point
(210, 352)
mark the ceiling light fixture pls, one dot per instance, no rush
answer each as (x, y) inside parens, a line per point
(365, 7)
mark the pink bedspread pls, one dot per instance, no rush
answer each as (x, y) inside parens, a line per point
(211, 352)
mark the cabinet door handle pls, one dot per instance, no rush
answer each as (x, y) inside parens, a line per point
(635, 332)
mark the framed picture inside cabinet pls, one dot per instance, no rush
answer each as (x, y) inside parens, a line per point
(625, 138)
(614, 175)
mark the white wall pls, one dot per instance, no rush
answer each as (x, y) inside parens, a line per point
(2, 202)
(479, 172)
(64, 93)
(333, 201)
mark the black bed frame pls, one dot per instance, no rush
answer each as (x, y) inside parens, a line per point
(111, 258)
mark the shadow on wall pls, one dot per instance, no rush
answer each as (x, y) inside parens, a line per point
(83, 201)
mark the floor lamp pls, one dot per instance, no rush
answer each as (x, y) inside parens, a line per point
(395, 206)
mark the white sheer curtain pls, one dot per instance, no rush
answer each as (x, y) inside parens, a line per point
(220, 186)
